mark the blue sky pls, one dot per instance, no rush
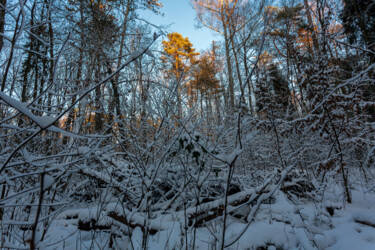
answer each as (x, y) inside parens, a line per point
(181, 15)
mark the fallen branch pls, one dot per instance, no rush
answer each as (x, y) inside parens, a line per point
(366, 223)
(131, 224)
(212, 210)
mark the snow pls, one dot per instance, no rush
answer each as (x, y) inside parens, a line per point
(137, 238)
(83, 150)
(42, 121)
(229, 158)
(149, 53)
(155, 161)
(48, 181)
(278, 225)
(53, 128)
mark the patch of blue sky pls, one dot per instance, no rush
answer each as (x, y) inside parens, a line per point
(179, 16)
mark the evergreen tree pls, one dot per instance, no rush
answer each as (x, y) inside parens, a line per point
(205, 81)
(179, 57)
(358, 17)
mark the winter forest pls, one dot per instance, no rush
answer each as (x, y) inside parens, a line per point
(117, 133)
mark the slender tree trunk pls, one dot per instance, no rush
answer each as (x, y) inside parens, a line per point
(11, 54)
(51, 53)
(248, 80)
(229, 67)
(217, 106)
(201, 102)
(115, 83)
(3, 4)
(98, 111)
(311, 24)
(36, 56)
(237, 68)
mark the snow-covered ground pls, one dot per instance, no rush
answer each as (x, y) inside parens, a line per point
(326, 224)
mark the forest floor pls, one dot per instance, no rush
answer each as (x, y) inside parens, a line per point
(283, 224)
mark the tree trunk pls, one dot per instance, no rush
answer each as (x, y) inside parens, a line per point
(311, 24)
(51, 55)
(238, 69)
(229, 67)
(11, 54)
(3, 4)
(98, 111)
(115, 83)
(248, 80)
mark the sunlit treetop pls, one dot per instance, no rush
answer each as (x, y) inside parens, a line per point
(153, 5)
(205, 74)
(179, 53)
